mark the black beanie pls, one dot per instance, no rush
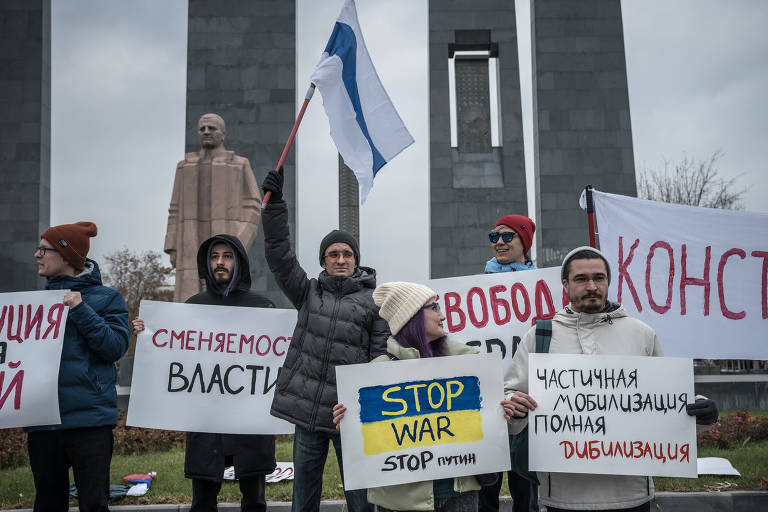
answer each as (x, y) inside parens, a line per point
(339, 236)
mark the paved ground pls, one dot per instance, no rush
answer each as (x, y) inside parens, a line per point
(733, 501)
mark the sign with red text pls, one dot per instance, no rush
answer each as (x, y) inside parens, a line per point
(422, 419)
(698, 276)
(32, 328)
(493, 311)
(619, 415)
(202, 368)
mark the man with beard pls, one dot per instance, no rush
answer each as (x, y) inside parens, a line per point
(590, 324)
(223, 263)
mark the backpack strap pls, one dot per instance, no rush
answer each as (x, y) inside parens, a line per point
(543, 336)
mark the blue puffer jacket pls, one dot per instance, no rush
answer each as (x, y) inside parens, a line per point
(96, 336)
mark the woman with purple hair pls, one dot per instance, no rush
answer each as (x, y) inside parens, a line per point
(416, 323)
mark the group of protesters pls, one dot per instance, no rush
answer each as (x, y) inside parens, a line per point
(343, 318)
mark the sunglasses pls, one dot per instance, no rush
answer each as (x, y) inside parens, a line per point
(507, 236)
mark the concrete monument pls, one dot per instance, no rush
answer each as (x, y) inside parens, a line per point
(214, 192)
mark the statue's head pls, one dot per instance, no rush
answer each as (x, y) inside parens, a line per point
(212, 130)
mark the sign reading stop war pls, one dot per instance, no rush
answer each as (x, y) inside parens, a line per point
(409, 421)
(207, 368)
(698, 276)
(622, 415)
(32, 328)
(493, 311)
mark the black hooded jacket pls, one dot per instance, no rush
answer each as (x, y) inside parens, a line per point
(252, 455)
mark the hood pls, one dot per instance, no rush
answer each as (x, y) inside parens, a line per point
(89, 276)
(241, 279)
(611, 311)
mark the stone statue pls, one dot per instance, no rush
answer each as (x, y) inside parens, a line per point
(214, 192)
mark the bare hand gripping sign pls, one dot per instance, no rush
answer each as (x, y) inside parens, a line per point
(612, 415)
(447, 423)
(209, 368)
(31, 337)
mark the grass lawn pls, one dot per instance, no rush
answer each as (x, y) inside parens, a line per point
(170, 486)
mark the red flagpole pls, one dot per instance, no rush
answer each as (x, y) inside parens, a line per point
(590, 216)
(289, 142)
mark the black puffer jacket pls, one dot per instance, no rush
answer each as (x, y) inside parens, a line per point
(207, 454)
(338, 323)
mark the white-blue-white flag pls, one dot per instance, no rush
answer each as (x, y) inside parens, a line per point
(365, 126)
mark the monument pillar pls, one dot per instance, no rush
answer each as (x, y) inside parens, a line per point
(25, 138)
(582, 134)
(477, 164)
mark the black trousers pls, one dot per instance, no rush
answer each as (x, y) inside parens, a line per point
(87, 450)
(524, 494)
(205, 493)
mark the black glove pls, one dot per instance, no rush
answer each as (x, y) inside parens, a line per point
(705, 411)
(274, 183)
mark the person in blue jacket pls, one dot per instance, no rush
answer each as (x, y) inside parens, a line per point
(96, 335)
(511, 239)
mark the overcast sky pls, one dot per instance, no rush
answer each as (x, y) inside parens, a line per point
(697, 80)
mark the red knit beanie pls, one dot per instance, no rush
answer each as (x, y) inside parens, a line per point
(523, 226)
(71, 241)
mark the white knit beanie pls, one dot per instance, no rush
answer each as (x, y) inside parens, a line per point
(399, 302)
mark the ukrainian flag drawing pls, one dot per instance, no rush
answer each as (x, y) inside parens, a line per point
(420, 413)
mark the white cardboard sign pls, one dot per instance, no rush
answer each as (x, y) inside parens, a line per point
(622, 415)
(698, 276)
(32, 328)
(415, 420)
(204, 368)
(492, 312)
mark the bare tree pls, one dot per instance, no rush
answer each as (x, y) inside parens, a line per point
(137, 277)
(692, 182)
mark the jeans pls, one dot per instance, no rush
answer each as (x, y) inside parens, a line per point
(87, 450)
(205, 493)
(310, 449)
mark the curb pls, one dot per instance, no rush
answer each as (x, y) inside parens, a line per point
(730, 501)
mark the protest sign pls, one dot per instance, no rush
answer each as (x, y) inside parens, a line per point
(399, 428)
(493, 311)
(32, 328)
(698, 276)
(620, 415)
(208, 368)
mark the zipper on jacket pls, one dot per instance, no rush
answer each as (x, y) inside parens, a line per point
(329, 343)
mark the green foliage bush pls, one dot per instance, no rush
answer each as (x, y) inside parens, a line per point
(13, 447)
(734, 430)
(128, 441)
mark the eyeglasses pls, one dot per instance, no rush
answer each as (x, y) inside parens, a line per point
(334, 255)
(42, 250)
(507, 236)
(433, 306)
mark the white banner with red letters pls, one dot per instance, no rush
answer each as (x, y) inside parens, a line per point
(698, 276)
(618, 415)
(204, 368)
(32, 328)
(493, 311)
